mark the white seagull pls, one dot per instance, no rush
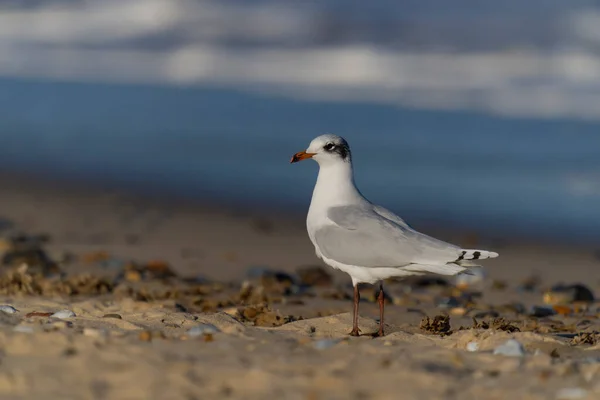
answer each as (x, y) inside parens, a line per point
(367, 241)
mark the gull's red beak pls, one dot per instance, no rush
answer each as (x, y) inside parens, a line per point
(301, 155)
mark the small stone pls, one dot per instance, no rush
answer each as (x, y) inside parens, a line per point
(448, 302)
(63, 314)
(471, 278)
(145, 336)
(568, 294)
(458, 311)
(542, 311)
(8, 309)
(37, 314)
(116, 316)
(324, 344)
(571, 393)
(203, 329)
(23, 329)
(511, 348)
(91, 332)
(472, 346)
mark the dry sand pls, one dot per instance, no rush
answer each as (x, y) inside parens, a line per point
(138, 275)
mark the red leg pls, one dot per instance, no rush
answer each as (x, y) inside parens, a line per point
(355, 331)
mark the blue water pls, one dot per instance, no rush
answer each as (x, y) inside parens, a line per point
(474, 171)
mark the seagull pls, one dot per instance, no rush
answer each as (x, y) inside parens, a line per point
(367, 241)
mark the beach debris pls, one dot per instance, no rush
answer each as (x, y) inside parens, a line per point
(116, 316)
(152, 270)
(510, 348)
(262, 315)
(497, 324)
(439, 325)
(8, 309)
(63, 314)
(568, 294)
(571, 393)
(37, 314)
(314, 275)
(324, 344)
(472, 346)
(590, 338)
(28, 250)
(203, 329)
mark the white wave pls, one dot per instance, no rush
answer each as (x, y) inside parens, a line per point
(112, 41)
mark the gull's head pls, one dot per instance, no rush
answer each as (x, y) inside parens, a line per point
(325, 149)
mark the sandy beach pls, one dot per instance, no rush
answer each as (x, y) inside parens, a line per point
(111, 296)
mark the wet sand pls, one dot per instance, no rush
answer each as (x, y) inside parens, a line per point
(176, 300)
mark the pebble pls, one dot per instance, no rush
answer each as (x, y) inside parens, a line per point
(448, 302)
(116, 316)
(23, 329)
(91, 332)
(542, 311)
(567, 294)
(469, 279)
(571, 393)
(510, 348)
(324, 344)
(203, 329)
(62, 314)
(472, 346)
(8, 309)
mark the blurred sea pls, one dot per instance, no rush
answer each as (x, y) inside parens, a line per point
(466, 115)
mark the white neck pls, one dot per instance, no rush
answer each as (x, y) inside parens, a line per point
(335, 186)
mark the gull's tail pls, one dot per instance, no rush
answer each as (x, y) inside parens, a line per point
(465, 261)
(468, 255)
(468, 258)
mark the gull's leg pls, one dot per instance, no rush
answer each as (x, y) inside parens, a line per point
(355, 331)
(380, 298)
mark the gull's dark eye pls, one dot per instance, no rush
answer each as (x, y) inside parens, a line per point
(329, 146)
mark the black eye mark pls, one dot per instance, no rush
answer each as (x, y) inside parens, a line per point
(329, 146)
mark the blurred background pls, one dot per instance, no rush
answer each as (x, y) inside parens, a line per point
(468, 114)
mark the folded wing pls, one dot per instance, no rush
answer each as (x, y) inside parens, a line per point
(363, 237)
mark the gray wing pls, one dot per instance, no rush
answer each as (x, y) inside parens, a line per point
(362, 237)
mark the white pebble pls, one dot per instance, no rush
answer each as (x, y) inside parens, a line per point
(93, 332)
(511, 348)
(473, 277)
(571, 393)
(23, 329)
(472, 346)
(63, 314)
(202, 329)
(8, 309)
